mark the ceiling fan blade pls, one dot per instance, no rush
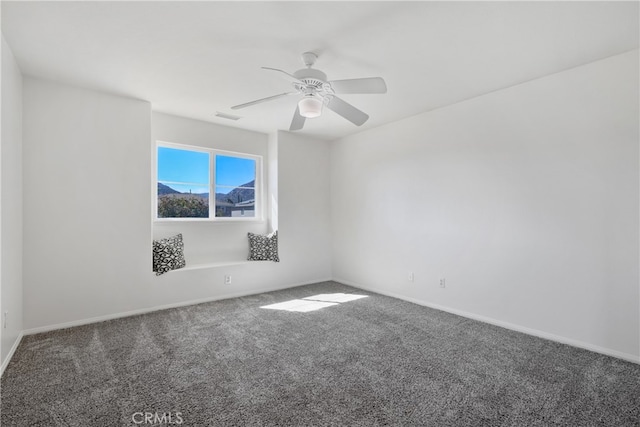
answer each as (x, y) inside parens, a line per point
(347, 111)
(298, 121)
(258, 101)
(365, 85)
(282, 71)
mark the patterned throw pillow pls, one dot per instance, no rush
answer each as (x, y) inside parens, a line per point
(263, 248)
(168, 254)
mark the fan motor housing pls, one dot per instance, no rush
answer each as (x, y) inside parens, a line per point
(311, 74)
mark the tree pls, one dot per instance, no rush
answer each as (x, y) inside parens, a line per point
(182, 207)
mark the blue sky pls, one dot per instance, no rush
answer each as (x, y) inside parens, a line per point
(192, 168)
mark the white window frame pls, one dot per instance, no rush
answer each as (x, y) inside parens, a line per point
(258, 207)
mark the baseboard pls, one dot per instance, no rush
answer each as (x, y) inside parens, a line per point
(113, 316)
(6, 361)
(534, 332)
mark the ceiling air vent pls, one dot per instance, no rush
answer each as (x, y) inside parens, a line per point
(227, 116)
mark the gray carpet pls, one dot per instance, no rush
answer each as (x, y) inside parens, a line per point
(368, 362)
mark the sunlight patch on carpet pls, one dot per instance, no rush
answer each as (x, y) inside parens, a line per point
(299, 305)
(335, 297)
(313, 303)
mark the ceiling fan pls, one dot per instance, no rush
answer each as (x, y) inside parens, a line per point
(317, 92)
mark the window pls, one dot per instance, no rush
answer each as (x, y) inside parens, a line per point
(235, 186)
(201, 183)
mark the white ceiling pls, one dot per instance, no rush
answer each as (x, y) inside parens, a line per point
(195, 58)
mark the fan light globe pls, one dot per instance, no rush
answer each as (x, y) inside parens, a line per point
(310, 107)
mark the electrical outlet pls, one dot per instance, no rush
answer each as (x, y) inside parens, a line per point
(4, 319)
(410, 276)
(227, 279)
(443, 282)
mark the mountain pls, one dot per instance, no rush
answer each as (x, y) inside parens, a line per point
(163, 190)
(239, 194)
(234, 196)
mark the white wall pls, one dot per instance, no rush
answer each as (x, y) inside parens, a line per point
(87, 210)
(272, 185)
(304, 203)
(525, 200)
(11, 202)
(87, 194)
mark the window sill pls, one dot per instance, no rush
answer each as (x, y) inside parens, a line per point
(200, 266)
(161, 221)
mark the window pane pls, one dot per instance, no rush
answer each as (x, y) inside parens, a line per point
(235, 187)
(183, 183)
